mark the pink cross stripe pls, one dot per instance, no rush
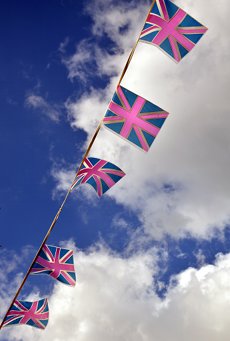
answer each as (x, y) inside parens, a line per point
(31, 314)
(133, 119)
(100, 174)
(97, 173)
(56, 264)
(169, 29)
(96, 170)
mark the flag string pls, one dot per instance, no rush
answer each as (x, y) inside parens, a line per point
(69, 190)
(52, 225)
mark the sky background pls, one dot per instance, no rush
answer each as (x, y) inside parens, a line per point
(152, 256)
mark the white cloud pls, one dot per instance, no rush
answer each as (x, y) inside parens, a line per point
(111, 21)
(191, 152)
(37, 102)
(78, 65)
(10, 278)
(114, 299)
(63, 178)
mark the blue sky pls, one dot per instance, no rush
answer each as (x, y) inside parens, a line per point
(169, 219)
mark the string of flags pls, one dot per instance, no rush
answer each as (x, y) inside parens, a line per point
(133, 118)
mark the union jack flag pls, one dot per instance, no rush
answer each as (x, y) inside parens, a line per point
(134, 118)
(56, 262)
(100, 174)
(35, 314)
(171, 29)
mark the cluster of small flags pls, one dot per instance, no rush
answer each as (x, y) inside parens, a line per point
(56, 262)
(134, 119)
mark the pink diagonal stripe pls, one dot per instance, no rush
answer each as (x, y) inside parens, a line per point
(6, 322)
(78, 178)
(21, 306)
(174, 47)
(141, 139)
(68, 278)
(132, 119)
(48, 253)
(155, 20)
(87, 163)
(105, 177)
(149, 29)
(66, 256)
(99, 186)
(162, 7)
(123, 98)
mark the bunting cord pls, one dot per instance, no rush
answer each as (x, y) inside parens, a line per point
(90, 146)
(52, 224)
(39, 250)
(69, 190)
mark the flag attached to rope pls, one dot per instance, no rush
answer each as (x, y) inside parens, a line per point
(100, 174)
(35, 314)
(134, 118)
(56, 262)
(171, 29)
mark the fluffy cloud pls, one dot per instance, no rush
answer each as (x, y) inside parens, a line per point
(111, 21)
(37, 102)
(10, 278)
(115, 299)
(181, 186)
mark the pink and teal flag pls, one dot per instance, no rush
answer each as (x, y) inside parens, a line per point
(35, 314)
(56, 262)
(134, 118)
(171, 29)
(100, 174)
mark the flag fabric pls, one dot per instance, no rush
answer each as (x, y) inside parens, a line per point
(172, 29)
(35, 314)
(100, 174)
(56, 262)
(134, 118)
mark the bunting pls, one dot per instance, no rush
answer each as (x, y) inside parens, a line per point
(134, 118)
(100, 174)
(35, 314)
(56, 262)
(172, 29)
